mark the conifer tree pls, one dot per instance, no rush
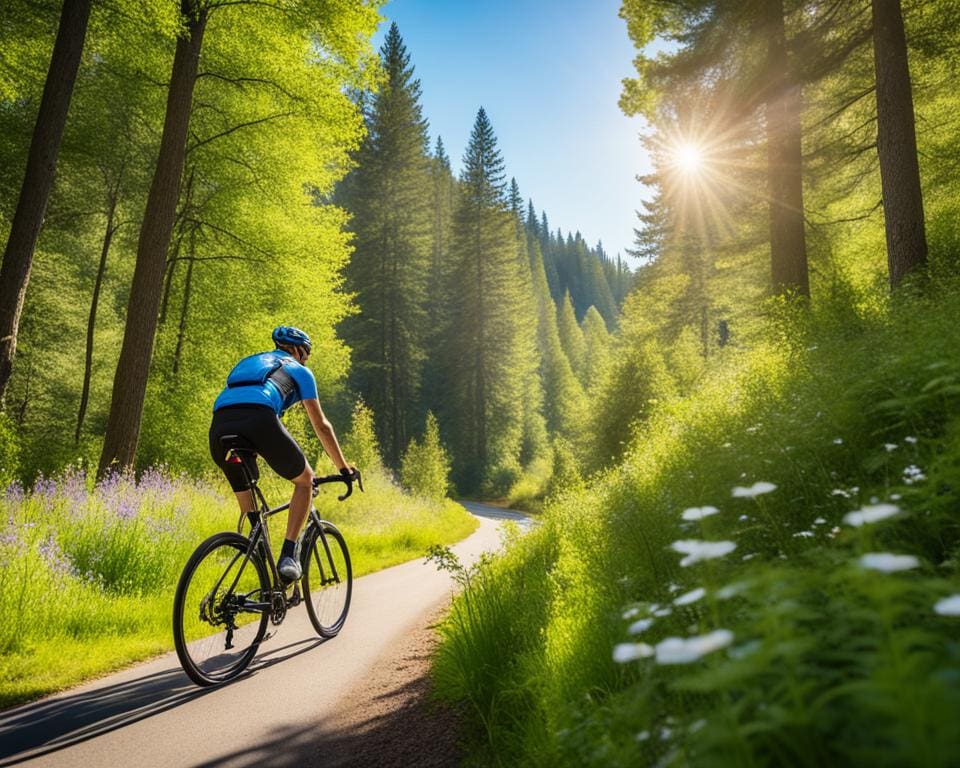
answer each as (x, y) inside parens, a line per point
(571, 336)
(390, 198)
(597, 347)
(483, 344)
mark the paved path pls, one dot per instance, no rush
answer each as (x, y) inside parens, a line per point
(152, 715)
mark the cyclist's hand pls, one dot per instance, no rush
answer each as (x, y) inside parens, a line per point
(353, 476)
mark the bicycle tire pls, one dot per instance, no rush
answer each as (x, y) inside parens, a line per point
(212, 645)
(327, 579)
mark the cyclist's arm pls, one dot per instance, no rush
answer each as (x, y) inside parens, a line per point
(324, 431)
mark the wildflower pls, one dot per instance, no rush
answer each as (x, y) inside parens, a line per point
(665, 733)
(890, 447)
(630, 613)
(678, 650)
(673, 588)
(838, 441)
(834, 531)
(661, 612)
(910, 439)
(731, 590)
(913, 474)
(744, 518)
(819, 521)
(642, 625)
(696, 551)
(895, 497)
(871, 513)
(840, 492)
(624, 652)
(696, 725)
(754, 490)
(803, 535)
(949, 606)
(888, 563)
(698, 513)
(642, 736)
(749, 556)
(690, 597)
(727, 445)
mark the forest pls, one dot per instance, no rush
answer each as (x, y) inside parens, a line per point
(741, 441)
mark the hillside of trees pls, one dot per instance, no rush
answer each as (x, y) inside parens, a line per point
(763, 565)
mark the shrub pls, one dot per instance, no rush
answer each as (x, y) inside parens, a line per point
(425, 468)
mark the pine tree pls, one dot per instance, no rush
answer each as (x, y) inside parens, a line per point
(597, 343)
(571, 336)
(390, 197)
(483, 342)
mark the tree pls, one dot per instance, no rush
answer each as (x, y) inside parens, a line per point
(130, 382)
(38, 177)
(425, 468)
(897, 145)
(571, 336)
(390, 199)
(483, 412)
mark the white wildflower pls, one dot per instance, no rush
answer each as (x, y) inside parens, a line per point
(949, 606)
(890, 447)
(749, 557)
(744, 518)
(642, 736)
(631, 613)
(834, 531)
(887, 562)
(910, 439)
(696, 551)
(895, 497)
(696, 725)
(757, 489)
(913, 474)
(698, 513)
(803, 535)
(679, 650)
(840, 492)
(624, 652)
(838, 441)
(819, 521)
(660, 613)
(641, 625)
(871, 513)
(731, 590)
(665, 733)
(690, 597)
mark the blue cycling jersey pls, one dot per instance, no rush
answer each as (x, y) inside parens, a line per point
(274, 379)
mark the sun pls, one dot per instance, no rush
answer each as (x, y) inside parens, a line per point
(689, 157)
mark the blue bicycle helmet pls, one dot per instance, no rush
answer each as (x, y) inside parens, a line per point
(291, 337)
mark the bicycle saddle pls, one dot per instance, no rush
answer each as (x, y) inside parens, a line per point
(236, 443)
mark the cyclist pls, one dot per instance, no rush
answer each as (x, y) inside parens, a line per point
(260, 388)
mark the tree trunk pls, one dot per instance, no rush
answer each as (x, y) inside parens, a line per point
(38, 178)
(788, 253)
(130, 381)
(897, 145)
(91, 321)
(187, 286)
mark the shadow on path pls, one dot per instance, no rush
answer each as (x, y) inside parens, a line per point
(45, 726)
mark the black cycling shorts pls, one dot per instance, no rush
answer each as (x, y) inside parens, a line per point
(262, 428)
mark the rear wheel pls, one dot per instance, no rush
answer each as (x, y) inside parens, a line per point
(218, 614)
(327, 578)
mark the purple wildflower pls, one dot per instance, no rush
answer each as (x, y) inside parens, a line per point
(56, 560)
(14, 493)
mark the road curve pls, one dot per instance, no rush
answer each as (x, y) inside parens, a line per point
(152, 715)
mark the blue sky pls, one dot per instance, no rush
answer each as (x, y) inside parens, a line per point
(548, 74)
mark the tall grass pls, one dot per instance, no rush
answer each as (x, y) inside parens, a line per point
(87, 571)
(764, 580)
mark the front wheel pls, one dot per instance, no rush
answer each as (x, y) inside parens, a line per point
(327, 578)
(219, 617)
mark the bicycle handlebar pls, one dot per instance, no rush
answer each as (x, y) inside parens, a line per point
(348, 480)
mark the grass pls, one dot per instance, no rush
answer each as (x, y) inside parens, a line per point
(87, 572)
(590, 642)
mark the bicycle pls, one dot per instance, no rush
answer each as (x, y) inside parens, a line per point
(230, 587)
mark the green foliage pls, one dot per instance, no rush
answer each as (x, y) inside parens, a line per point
(425, 468)
(360, 444)
(9, 450)
(827, 661)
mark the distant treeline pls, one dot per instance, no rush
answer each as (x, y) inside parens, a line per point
(469, 306)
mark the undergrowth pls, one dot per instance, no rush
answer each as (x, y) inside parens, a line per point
(770, 576)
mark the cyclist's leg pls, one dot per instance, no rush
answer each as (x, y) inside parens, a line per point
(232, 422)
(285, 457)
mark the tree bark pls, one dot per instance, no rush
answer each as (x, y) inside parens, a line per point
(92, 319)
(38, 178)
(788, 252)
(897, 145)
(130, 380)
